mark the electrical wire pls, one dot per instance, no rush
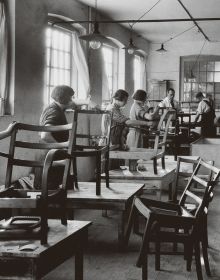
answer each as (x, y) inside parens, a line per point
(198, 56)
(131, 25)
(179, 34)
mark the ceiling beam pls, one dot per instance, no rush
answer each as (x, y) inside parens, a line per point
(141, 20)
(194, 20)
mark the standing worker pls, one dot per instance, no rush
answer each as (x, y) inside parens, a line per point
(207, 112)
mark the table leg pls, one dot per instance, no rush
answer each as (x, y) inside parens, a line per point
(79, 264)
(121, 229)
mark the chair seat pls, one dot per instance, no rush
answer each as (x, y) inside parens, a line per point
(138, 153)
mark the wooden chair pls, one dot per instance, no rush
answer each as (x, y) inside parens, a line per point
(22, 154)
(158, 152)
(169, 222)
(95, 143)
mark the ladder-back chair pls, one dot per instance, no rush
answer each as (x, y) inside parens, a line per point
(91, 143)
(169, 222)
(21, 157)
(160, 141)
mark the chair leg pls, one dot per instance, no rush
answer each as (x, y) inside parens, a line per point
(155, 165)
(75, 173)
(107, 170)
(198, 261)
(157, 255)
(205, 257)
(98, 174)
(163, 162)
(188, 251)
(145, 270)
(130, 223)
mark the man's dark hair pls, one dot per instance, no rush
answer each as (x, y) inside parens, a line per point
(199, 95)
(62, 94)
(171, 89)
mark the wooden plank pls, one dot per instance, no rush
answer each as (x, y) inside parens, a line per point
(145, 155)
(116, 191)
(18, 203)
(140, 175)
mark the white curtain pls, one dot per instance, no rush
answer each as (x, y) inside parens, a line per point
(143, 70)
(3, 58)
(82, 67)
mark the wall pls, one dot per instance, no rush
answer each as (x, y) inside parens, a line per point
(167, 66)
(28, 21)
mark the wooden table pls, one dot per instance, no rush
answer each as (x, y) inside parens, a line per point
(63, 242)
(163, 180)
(118, 197)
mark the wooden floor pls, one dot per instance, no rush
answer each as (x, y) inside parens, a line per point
(103, 261)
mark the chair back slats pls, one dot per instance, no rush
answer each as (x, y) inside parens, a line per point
(194, 197)
(161, 136)
(203, 200)
(41, 146)
(26, 163)
(40, 128)
(90, 135)
(22, 136)
(200, 181)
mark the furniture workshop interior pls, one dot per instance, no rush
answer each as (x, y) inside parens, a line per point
(109, 121)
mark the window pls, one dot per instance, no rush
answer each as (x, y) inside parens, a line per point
(137, 72)
(60, 69)
(201, 74)
(114, 63)
(108, 54)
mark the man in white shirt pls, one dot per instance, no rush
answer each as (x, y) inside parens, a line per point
(169, 101)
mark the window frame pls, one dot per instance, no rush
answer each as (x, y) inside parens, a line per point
(193, 84)
(118, 70)
(74, 78)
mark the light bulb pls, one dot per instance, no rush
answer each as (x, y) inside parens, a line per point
(131, 50)
(95, 44)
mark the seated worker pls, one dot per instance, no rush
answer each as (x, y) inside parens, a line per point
(207, 112)
(139, 111)
(54, 114)
(169, 101)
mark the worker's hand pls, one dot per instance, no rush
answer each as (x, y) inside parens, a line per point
(93, 106)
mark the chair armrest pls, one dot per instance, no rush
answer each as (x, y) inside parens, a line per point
(160, 204)
(7, 132)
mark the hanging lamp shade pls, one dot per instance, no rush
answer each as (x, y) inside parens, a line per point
(131, 47)
(161, 49)
(96, 39)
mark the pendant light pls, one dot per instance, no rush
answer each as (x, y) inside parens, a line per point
(161, 50)
(96, 39)
(131, 48)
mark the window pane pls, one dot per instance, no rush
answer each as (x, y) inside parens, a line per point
(217, 66)
(202, 66)
(210, 76)
(217, 77)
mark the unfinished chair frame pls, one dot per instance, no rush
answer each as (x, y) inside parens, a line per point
(159, 150)
(101, 153)
(19, 198)
(187, 225)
